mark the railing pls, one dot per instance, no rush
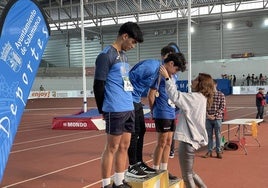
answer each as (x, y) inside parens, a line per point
(59, 72)
(64, 71)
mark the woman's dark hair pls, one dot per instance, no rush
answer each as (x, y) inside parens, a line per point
(133, 30)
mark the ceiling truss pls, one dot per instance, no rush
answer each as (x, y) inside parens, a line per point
(95, 11)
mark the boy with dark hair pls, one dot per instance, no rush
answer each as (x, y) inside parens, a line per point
(163, 112)
(113, 95)
(142, 75)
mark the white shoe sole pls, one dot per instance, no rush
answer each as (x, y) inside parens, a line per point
(135, 176)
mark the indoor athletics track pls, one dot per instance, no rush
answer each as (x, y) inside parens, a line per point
(45, 158)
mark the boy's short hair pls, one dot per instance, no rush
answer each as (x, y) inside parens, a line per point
(133, 30)
(178, 59)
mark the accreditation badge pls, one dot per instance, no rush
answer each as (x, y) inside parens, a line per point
(171, 104)
(127, 84)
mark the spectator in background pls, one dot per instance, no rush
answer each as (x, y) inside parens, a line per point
(234, 80)
(261, 78)
(256, 81)
(41, 88)
(214, 121)
(260, 103)
(264, 80)
(113, 95)
(248, 79)
(266, 97)
(252, 79)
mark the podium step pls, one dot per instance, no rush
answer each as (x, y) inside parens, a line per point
(176, 183)
(159, 180)
(152, 180)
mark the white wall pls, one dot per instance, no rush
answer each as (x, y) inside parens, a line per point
(62, 83)
(236, 67)
(216, 68)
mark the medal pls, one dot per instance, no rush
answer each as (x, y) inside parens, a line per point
(156, 94)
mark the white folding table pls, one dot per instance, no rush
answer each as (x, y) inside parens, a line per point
(241, 124)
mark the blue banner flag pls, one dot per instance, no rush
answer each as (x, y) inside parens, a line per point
(24, 35)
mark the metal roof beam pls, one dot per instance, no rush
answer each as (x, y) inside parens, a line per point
(265, 4)
(210, 9)
(90, 14)
(237, 5)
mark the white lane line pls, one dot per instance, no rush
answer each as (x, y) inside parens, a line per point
(54, 144)
(245, 115)
(67, 168)
(148, 161)
(239, 107)
(63, 108)
(53, 172)
(48, 138)
(30, 130)
(90, 185)
(79, 164)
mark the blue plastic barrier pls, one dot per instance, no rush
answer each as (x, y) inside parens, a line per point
(224, 85)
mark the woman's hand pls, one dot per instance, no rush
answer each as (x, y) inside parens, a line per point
(163, 71)
(211, 117)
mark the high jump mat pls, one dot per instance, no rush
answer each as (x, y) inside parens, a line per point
(92, 120)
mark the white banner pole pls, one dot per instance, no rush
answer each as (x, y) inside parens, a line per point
(83, 56)
(189, 49)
